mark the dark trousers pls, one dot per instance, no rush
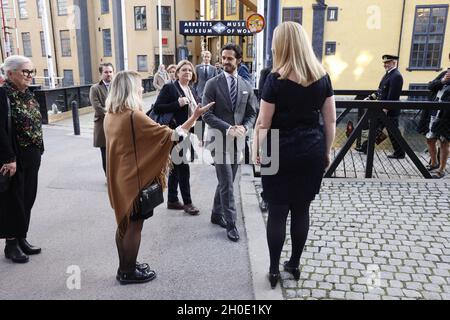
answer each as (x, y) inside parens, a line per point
(398, 151)
(276, 231)
(103, 151)
(16, 204)
(179, 176)
(224, 203)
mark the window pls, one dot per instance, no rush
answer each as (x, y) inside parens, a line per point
(214, 9)
(418, 86)
(26, 41)
(39, 10)
(107, 46)
(68, 78)
(330, 48)
(43, 50)
(332, 14)
(428, 37)
(104, 6)
(249, 47)
(230, 39)
(23, 13)
(65, 43)
(166, 18)
(293, 14)
(231, 7)
(140, 18)
(62, 7)
(46, 80)
(142, 63)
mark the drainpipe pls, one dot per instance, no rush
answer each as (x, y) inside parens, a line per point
(401, 33)
(50, 8)
(318, 27)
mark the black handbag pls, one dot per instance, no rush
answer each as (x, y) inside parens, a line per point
(150, 196)
(6, 180)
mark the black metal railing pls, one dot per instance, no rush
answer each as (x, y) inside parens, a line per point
(368, 116)
(60, 99)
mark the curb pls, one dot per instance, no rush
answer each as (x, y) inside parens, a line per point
(52, 118)
(257, 242)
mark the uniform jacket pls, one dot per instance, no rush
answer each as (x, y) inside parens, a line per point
(390, 89)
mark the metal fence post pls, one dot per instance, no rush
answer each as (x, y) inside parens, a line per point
(76, 118)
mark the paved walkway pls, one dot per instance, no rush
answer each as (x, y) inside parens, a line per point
(375, 240)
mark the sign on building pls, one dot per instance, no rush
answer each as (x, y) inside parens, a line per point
(214, 28)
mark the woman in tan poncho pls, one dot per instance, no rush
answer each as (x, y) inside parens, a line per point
(153, 145)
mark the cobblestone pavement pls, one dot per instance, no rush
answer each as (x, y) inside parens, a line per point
(375, 240)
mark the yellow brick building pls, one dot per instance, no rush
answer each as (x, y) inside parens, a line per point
(230, 10)
(357, 33)
(85, 33)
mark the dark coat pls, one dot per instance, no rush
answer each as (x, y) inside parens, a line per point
(12, 211)
(391, 89)
(98, 95)
(167, 102)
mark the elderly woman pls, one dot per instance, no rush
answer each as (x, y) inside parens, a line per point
(133, 162)
(179, 99)
(21, 147)
(161, 77)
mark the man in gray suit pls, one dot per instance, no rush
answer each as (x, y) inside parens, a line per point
(228, 122)
(204, 72)
(97, 96)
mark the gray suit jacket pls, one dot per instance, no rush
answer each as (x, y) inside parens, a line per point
(221, 116)
(97, 96)
(201, 79)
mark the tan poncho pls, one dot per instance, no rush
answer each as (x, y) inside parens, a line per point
(153, 144)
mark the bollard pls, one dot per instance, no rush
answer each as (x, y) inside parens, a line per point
(76, 118)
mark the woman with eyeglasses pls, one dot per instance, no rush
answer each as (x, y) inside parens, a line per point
(21, 148)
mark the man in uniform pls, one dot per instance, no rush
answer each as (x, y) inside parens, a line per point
(390, 89)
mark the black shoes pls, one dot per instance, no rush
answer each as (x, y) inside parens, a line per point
(28, 248)
(190, 209)
(292, 270)
(175, 205)
(273, 279)
(396, 156)
(219, 220)
(136, 276)
(14, 252)
(144, 267)
(233, 234)
(362, 148)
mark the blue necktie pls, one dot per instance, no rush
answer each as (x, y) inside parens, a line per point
(233, 92)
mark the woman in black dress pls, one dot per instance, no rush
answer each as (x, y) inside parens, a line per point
(296, 93)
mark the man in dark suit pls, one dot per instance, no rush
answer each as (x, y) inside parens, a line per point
(227, 124)
(97, 96)
(204, 72)
(390, 89)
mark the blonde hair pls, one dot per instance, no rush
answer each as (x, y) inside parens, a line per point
(171, 66)
(293, 53)
(181, 64)
(125, 92)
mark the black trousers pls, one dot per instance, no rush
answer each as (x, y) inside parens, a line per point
(179, 176)
(103, 151)
(398, 151)
(16, 204)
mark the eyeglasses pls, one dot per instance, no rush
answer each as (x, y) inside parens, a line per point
(29, 73)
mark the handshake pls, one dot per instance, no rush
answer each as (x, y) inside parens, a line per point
(237, 131)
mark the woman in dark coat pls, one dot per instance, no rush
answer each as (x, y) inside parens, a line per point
(20, 156)
(295, 94)
(179, 99)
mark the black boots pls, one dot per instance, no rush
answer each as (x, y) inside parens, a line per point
(28, 248)
(14, 252)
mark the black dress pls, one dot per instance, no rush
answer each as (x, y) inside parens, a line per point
(302, 145)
